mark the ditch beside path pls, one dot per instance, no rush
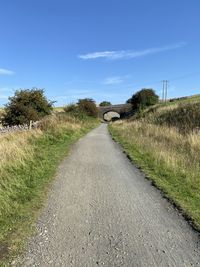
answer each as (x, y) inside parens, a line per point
(101, 211)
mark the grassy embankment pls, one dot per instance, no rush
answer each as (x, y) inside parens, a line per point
(28, 161)
(165, 142)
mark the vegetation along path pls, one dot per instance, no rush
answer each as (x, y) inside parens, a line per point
(102, 211)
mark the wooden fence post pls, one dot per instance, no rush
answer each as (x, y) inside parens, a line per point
(30, 125)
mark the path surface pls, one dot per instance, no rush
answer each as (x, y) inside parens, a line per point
(102, 212)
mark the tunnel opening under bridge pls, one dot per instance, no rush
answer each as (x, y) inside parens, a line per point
(111, 116)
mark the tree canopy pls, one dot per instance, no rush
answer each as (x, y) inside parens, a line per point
(88, 106)
(144, 98)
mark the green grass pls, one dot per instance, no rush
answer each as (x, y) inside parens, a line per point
(29, 183)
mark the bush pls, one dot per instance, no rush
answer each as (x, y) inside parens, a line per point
(88, 106)
(74, 111)
(105, 103)
(70, 108)
(26, 105)
(144, 98)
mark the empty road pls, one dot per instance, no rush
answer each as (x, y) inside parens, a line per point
(101, 211)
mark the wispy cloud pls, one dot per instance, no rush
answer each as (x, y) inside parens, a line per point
(113, 80)
(6, 72)
(73, 93)
(127, 54)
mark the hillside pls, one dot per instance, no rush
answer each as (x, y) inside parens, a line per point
(164, 140)
(182, 114)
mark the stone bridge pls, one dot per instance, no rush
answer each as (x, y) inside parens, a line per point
(121, 109)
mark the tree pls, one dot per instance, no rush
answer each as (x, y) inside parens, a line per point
(88, 106)
(144, 98)
(128, 101)
(26, 105)
(105, 103)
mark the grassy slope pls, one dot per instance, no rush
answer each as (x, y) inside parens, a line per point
(168, 157)
(23, 183)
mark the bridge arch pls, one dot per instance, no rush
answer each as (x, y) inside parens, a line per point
(111, 115)
(121, 109)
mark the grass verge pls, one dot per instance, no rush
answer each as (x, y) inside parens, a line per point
(171, 160)
(27, 165)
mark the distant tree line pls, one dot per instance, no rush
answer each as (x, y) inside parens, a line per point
(32, 105)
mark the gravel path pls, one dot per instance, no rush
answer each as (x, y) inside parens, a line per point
(102, 212)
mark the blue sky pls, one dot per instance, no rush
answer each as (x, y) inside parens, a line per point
(106, 50)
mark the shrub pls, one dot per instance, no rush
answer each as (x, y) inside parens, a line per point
(144, 98)
(88, 106)
(70, 108)
(74, 111)
(26, 105)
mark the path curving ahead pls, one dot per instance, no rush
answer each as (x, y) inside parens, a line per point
(102, 212)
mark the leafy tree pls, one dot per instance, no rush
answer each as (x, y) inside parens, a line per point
(26, 105)
(88, 106)
(105, 103)
(128, 101)
(144, 98)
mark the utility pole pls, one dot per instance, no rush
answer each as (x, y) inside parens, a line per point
(165, 90)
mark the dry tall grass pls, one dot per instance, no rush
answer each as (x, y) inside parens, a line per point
(184, 116)
(15, 149)
(179, 152)
(59, 122)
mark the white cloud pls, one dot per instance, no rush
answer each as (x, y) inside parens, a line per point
(113, 80)
(127, 54)
(105, 54)
(6, 72)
